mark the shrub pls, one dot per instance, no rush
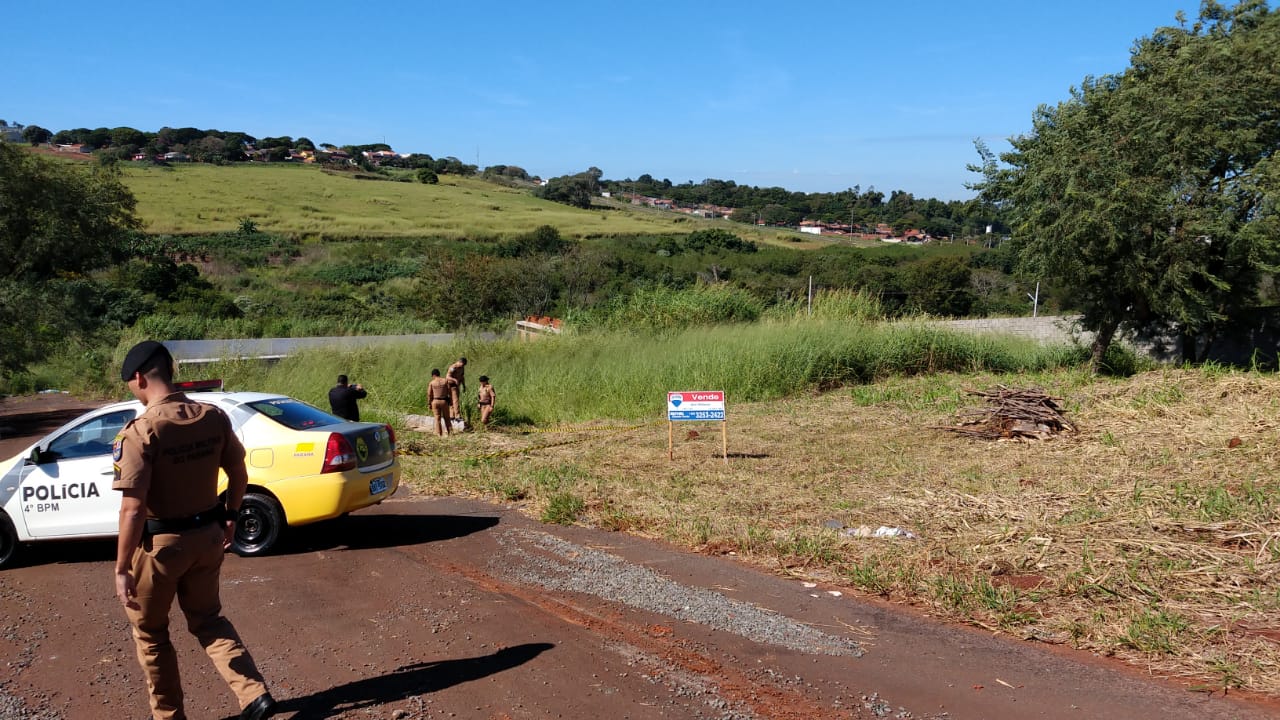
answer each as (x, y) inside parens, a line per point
(563, 508)
(717, 239)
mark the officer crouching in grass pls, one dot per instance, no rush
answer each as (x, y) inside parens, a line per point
(173, 532)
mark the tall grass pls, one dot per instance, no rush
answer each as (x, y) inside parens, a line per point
(666, 309)
(199, 327)
(590, 375)
(831, 304)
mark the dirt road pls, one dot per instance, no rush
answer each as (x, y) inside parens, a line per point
(446, 608)
(437, 608)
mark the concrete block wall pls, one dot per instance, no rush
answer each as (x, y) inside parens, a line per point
(1045, 328)
(1259, 346)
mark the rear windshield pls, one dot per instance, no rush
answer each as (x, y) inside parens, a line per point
(294, 414)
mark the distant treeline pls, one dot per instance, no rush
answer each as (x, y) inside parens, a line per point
(222, 146)
(863, 210)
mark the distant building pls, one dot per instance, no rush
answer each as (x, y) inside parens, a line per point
(534, 327)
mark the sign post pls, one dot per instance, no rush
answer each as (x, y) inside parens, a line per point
(695, 405)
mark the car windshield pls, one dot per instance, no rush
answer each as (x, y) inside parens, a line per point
(294, 414)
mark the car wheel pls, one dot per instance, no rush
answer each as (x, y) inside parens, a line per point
(259, 524)
(8, 540)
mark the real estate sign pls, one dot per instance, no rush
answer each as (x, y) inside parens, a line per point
(695, 405)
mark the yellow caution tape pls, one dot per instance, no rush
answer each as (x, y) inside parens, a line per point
(579, 428)
(618, 429)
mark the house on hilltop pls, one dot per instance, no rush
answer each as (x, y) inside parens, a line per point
(377, 157)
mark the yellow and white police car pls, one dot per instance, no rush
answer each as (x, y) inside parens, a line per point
(305, 465)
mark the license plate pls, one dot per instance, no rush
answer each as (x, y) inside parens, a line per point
(377, 485)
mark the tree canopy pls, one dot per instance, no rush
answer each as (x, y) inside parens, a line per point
(1152, 194)
(576, 190)
(58, 222)
(36, 135)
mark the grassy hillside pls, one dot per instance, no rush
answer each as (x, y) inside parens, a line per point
(306, 201)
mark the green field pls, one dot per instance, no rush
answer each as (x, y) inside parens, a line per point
(306, 201)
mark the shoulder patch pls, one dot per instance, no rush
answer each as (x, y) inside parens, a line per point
(117, 448)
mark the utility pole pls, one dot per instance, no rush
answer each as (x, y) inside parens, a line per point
(1035, 300)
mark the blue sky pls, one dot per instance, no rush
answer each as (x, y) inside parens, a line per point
(810, 96)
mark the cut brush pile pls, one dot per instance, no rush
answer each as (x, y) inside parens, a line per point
(1013, 414)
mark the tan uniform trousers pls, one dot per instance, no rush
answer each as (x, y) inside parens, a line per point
(440, 411)
(186, 565)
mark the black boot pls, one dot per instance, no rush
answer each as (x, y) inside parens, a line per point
(263, 707)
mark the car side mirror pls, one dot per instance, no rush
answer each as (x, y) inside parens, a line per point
(41, 457)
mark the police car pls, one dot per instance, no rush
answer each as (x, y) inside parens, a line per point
(305, 465)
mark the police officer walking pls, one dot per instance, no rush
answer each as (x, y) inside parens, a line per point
(173, 532)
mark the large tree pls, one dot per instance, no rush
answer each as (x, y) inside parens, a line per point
(576, 190)
(36, 135)
(58, 222)
(1153, 194)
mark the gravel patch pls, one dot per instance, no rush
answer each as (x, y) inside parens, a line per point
(574, 568)
(13, 707)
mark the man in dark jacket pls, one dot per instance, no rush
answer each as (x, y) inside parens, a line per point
(343, 397)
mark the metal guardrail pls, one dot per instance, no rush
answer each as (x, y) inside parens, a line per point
(209, 351)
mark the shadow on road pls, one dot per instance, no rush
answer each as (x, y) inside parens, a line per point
(364, 532)
(354, 532)
(406, 682)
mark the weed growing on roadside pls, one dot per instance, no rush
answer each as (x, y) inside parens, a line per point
(1154, 632)
(563, 508)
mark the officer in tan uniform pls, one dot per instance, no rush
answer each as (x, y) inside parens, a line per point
(440, 394)
(457, 372)
(174, 530)
(485, 399)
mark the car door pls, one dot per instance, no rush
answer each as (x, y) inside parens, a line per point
(65, 489)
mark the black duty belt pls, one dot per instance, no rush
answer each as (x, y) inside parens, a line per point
(156, 526)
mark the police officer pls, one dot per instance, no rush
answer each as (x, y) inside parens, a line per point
(343, 397)
(440, 393)
(173, 531)
(457, 372)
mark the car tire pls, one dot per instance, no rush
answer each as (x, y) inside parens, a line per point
(258, 526)
(8, 540)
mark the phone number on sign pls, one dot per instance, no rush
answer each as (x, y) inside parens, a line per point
(696, 415)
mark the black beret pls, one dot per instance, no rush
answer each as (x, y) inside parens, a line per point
(139, 355)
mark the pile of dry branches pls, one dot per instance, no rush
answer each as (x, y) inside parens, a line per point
(1011, 413)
